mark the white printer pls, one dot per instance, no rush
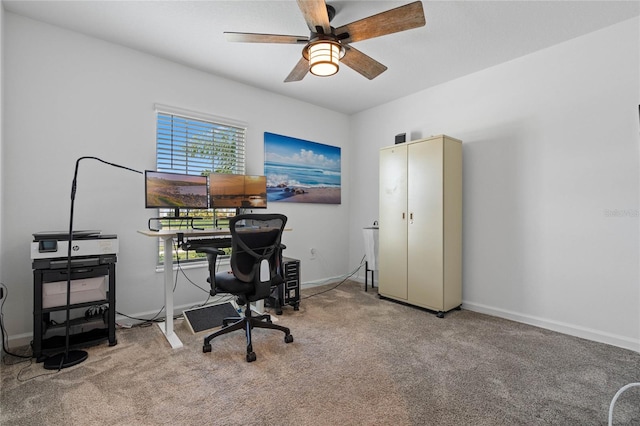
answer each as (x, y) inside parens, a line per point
(49, 250)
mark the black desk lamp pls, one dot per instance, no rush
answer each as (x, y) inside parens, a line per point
(70, 358)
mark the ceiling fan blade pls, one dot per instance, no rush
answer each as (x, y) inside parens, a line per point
(316, 16)
(299, 71)
(392, 21)
(365, 65)
(265, 38)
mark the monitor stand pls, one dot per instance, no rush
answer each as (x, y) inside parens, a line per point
(176, 216)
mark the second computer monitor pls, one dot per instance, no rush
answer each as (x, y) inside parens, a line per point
(237, 191)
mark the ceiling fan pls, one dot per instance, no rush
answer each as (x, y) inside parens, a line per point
(326, 46)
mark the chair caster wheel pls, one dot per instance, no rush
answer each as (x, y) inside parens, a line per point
(288, 338)
(251, 356)
(206, 348)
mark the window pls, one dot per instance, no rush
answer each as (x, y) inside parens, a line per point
(193, 143)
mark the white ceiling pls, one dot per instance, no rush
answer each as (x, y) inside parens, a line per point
(461, 37)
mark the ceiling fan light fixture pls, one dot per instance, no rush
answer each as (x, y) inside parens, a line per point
(324, 57)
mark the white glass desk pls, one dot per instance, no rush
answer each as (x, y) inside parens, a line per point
(168, 236)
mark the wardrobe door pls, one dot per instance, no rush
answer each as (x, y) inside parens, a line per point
(392, 249)
(425, 234)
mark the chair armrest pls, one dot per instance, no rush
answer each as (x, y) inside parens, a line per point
(212, 255)
(210, 250)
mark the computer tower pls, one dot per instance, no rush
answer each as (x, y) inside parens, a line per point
(291, 282)
(287, 293)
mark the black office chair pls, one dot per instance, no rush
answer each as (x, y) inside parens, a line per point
(255, 247)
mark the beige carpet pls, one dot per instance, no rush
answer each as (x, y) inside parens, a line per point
(356, 360)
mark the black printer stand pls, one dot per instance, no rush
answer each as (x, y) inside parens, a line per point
(105, 328)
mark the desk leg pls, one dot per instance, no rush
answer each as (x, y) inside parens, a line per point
(167, 325)
(258, 307)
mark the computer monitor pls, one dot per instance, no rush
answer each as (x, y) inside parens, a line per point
(237, 191)
(255, 192)
(175, 190)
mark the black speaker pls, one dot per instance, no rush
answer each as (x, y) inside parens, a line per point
(401, 138)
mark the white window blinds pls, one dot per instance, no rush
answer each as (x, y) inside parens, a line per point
(188, 143)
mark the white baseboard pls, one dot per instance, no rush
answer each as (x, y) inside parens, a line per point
(331, 280)
(18, 340)
(570, 329)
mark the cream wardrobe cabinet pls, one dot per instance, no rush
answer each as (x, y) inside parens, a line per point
(420, 223)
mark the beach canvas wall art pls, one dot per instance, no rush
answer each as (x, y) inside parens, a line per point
(300, 171)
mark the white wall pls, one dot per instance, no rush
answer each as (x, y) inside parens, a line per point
(1, 133)
(69, 96)
(551, 183)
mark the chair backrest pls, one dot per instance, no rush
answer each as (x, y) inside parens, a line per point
(254, 239)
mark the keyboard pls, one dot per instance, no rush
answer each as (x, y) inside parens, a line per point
(195, 243)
